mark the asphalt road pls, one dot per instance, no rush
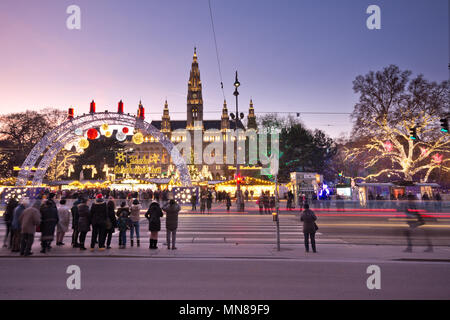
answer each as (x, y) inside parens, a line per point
(218, 279)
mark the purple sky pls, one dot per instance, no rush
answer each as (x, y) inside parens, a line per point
(298, 55)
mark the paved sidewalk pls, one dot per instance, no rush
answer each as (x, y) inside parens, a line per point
(335, 252)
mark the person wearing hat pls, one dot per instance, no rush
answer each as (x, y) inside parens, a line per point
(99, 214)
(135, 217)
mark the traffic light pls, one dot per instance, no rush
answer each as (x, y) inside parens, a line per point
(444, 125)
(413, 133)
(238, 178)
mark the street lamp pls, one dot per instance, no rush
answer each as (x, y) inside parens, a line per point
(236, 119)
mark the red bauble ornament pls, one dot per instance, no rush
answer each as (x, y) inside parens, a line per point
(92, 134)
(125, 130)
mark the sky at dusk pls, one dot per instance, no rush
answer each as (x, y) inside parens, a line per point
(292, 56)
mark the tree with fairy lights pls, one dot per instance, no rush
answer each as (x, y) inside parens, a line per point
(390, 107)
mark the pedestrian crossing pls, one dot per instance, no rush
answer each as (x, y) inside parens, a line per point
(216, 229)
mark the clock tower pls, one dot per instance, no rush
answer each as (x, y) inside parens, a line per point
(194, 96)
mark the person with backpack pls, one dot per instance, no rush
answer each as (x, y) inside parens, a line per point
(172, 209)
(123, 223)
(153, 216)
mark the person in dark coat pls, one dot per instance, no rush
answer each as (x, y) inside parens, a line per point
(83, 221)
(209, 201)
(309, 227)
(98, 214)
(49, 220)
(8, 216)
(194, 202)
(171, 209)
(228, 200)
(153, 215)
(75, 218)
(111, 222)
(15, 225)
(123, 223)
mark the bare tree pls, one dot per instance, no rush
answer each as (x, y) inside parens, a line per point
(391, 104)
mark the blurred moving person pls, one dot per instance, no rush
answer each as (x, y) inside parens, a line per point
(415, 220)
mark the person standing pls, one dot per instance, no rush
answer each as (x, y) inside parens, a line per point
(194, 202)
(84, 221)
(63, 223)
(98, 214)
(15, 225)
(75, 217)
(111, 221)
(135, 216)
(29, 220)
(261, 203)
(153, 216)
(209, 201)
(123, 223)
(49, 220)
(172, 209)
(8, 216)
(309, 227)
(228, 201)
(202, 202)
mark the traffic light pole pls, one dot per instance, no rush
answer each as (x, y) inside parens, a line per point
(277, 208)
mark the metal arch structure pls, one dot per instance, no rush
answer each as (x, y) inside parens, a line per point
(49, 146)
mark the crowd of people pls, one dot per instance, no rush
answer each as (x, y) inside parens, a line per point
(23, 219)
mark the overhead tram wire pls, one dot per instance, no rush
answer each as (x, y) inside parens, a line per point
(270, 112)
(217, 50)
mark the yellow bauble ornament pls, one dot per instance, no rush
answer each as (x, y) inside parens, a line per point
(84, 143)
(138, 138)
(105, 127)
(108, 134)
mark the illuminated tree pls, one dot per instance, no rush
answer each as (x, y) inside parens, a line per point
(390, 104)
